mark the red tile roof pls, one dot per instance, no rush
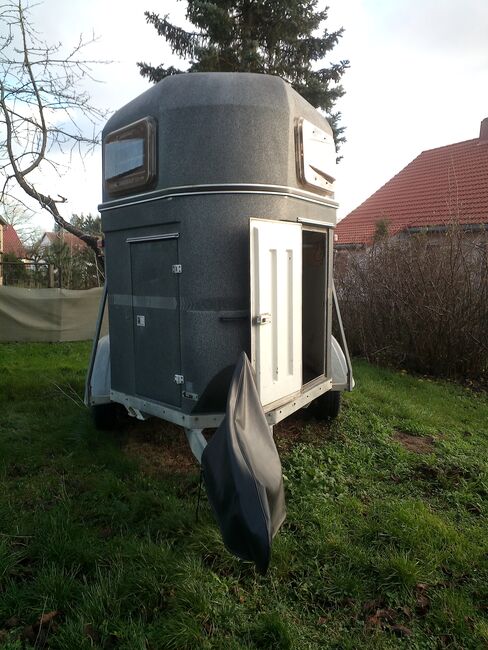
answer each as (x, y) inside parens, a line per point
(12, 243)
(438, 187)
(69, 239)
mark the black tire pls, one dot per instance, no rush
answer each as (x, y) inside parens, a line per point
(105, 416)
(327, 406)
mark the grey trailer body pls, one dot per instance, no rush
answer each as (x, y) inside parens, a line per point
(193, 168)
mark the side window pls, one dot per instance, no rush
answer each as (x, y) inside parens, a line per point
(129, 156)
(316, 157)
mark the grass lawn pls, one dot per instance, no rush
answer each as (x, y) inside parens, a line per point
(385, 544)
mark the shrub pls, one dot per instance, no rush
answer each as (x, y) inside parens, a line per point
(419, 301)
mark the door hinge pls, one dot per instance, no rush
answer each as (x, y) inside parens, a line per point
(177, 268)
(179, 379)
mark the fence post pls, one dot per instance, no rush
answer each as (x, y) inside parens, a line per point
(50, 276)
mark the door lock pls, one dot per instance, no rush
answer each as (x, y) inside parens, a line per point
(263, 319)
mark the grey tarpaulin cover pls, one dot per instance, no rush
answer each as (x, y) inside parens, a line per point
(242, 473)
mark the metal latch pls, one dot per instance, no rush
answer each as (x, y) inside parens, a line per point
(177, 268)
(179, 379)
(263, 319)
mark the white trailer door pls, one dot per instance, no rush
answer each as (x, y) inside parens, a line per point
(276, 308)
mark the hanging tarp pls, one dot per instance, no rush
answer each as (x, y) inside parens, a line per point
(242, 473)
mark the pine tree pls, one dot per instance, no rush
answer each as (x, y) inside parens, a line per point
(267, 36)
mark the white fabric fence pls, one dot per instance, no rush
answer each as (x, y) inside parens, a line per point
(49, 315)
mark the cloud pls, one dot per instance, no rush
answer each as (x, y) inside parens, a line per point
(449, 27)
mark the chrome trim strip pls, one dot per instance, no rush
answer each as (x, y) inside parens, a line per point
(232, 188)
(313, 222)
(282, 412)
(171, 235)
(170, 414)
(213, 420)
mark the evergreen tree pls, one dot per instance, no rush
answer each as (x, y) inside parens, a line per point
(89, 224)
(280, 37)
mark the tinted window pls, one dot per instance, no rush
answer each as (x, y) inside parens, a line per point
(123, 156)
(130, 157)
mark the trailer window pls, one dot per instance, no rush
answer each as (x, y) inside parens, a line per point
(316, 157)
(129, 157)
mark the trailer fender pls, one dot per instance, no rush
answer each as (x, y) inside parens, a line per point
(339, 367)
(100, 376)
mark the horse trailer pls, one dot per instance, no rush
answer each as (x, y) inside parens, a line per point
(218, 216)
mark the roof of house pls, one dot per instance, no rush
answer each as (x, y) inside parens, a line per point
(70, 240)
(11, 242)
(441, 186)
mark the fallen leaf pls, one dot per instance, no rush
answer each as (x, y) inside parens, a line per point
(445, 640)
(381, 616)
(91, 633)
(401, 630)
(47, 617)
(422, 605)
(28, 634)
(13, 621)
(370, 605)
(387, 614)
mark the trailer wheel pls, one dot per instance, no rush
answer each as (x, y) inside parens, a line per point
(105, 416)
(327, 406)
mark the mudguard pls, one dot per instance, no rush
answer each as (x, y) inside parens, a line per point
(242, 473)
(99, 390)
(339, 367)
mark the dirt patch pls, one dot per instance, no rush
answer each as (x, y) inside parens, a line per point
(298, 427)
(159, 447)
(416, 444)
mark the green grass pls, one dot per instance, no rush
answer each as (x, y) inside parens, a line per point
(382, 547)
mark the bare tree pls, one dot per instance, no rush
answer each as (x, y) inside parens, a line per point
(43, 111)
(20, 217)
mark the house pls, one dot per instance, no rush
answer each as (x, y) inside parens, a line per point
(10, 244)
(3, 223)
(440, 187)
(74, 244)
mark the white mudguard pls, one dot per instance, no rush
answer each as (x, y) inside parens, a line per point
(339, 367)
(100, 377)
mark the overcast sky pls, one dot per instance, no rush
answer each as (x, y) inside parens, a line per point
(418, 79)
